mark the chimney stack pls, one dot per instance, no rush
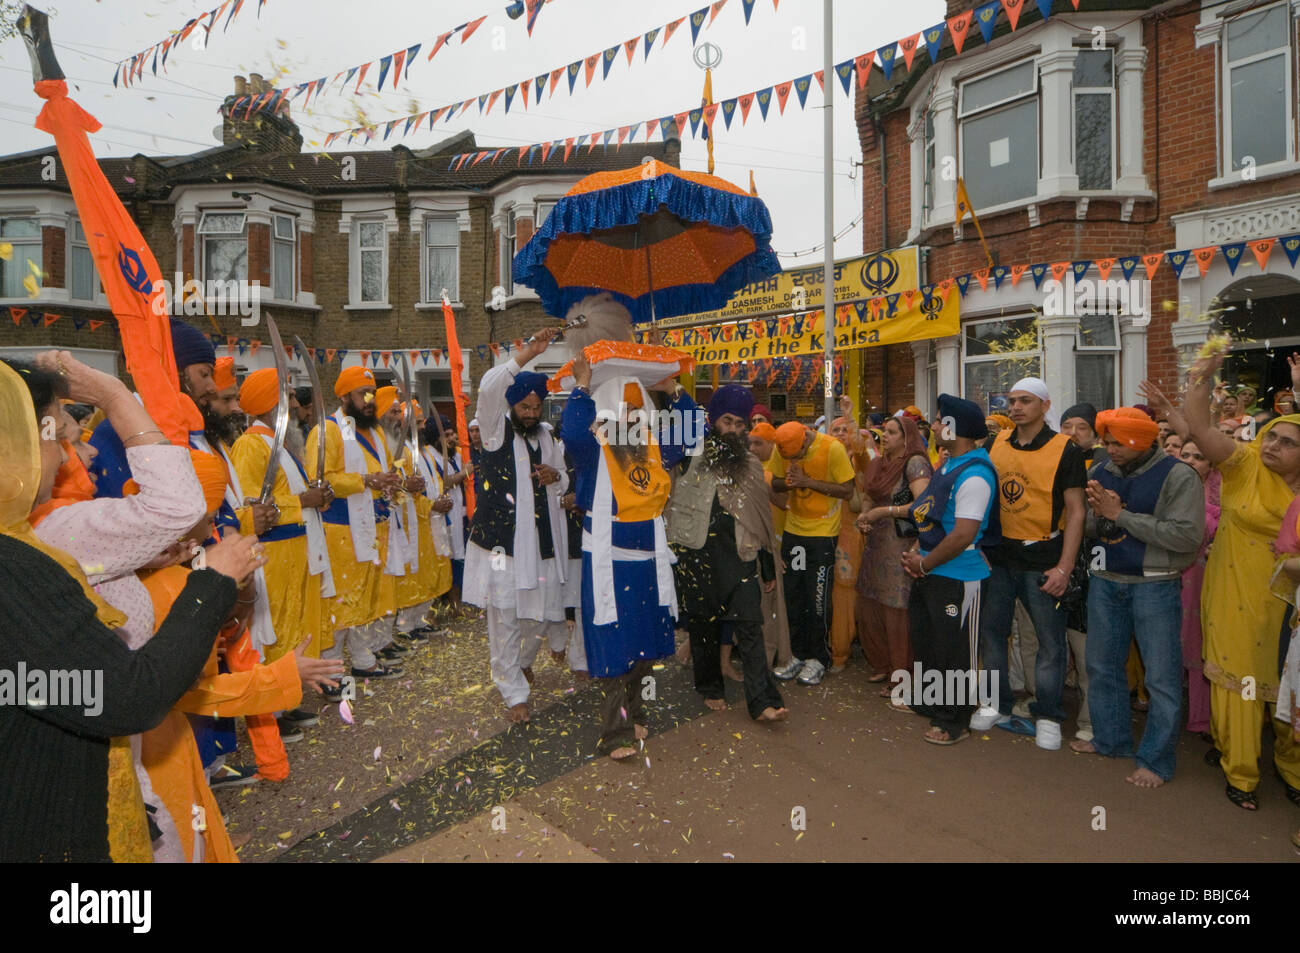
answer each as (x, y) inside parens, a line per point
(258, 84)
(241, 86)
(260, 130)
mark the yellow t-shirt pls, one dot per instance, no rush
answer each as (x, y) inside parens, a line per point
(811, 513)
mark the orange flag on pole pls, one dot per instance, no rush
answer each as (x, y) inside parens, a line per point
(458, 395)
(127, 268)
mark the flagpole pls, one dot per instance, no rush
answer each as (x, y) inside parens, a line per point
(828, 198)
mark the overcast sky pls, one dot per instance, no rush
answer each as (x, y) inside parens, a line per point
(301, 40)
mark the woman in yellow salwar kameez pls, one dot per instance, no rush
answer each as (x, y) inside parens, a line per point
(1241, 620)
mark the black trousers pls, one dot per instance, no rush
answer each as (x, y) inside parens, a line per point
(944, 615)
(706, 657)
(621, 707)
(809, 574)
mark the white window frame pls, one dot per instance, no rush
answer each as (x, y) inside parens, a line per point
(97, 296)
(929, 164)
(354, 257)
(967, 359)
(1075, 93)
(428, 294)
(1035, 94)
(509, 247)
(1228, 66)
(1111, 349)
(203, 234)
(539, 218)
(38, 242)
(282, 246)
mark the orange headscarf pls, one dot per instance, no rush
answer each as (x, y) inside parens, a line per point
(1129, 425)
(352, 378)
(385, 397)
(764, 431)
(223, 374)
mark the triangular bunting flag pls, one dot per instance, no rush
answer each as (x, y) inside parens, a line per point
(782, 94)
(845, 72)
(982, 276)
(95, 325)
(715, 9)
(607, 60)
(1045, 8)
(999, 275)
(801, 89)
(471, 27)
(386, 356)
(361, 78)
(568, 148)
(963, 282)
(572, 71)
(1016, 272)
(695, 116)
(1152, 262)
(399, 60)
(764, 100)
(886, 56)
(934, 40)
(1262, 248)
(650, 41)
(671, 28)
(745, 102)
(728, 110)
(18, 314)
(1013, 8)
(1204, 256)
(441, 41)
(492, 98)
(749, 9)
(987, 18)
(958, 26)
(1127, 265)
(1104, 265)
(1038, 272)
(78, 323)
(629, 46)
(1059, 269)
(555, 79)
(1080, 268)
(510, 96)
(908, 45)
(710, 112)
(1178, 261)
(697, 21)
(1291, 245)
(863, 66)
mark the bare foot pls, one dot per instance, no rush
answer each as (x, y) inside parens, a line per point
(716, 704)
(518, 713)
(623, 753)
(557, 657)
(528, 674)
(773, 714)
(1145, 778)
(641, 732)
(1084, 747)
(683, 653)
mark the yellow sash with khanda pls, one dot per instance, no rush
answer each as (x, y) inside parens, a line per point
(641, 490)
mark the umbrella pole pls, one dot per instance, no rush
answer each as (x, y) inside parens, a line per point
(828, 198)
(650, 282)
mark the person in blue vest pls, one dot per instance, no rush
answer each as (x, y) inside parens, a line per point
(952, 517)
(1147, 515)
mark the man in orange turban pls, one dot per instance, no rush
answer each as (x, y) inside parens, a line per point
(357, 469)
(1147, 514)
(816, 471)
(298, 577)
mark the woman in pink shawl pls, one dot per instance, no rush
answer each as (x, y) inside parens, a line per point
(1198, 686)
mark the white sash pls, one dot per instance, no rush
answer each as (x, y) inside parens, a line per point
(600, 543)
(361, 507)
(400, 518)
(318, 554)
(437, 521)
(527, 553)
(260, 630)
(454, 519)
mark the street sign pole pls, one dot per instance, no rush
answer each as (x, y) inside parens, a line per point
(828, 186)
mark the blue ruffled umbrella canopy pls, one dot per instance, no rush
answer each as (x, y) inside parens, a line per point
(662, 241)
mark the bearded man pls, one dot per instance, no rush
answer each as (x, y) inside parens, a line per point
(517, 551)
(720, 528)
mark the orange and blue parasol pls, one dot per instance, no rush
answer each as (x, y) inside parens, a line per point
(663, 241)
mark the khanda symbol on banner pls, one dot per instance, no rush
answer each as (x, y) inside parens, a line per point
(133, 270)
(879, 272)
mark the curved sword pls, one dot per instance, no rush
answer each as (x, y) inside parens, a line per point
(318, 408)
(410, 434)
(281, 413)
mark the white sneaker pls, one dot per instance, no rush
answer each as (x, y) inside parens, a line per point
(1021, 708)
(986, 718)
(789, 670)
(812, 672)
(1049, 735)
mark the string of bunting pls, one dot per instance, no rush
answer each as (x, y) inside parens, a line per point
(548, 82)
(46, 318)
(131, 70)
(955, 30)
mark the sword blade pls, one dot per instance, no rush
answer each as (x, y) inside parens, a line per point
(318, 408)
(281, 411)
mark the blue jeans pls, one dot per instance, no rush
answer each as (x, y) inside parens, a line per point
(1153, 612)
(1004, 588)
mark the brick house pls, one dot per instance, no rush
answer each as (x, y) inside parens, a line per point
(351, 249)
(1124, 128)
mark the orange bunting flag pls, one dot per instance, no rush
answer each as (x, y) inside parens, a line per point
(1204, 256)
(863, 66)
(1059, 269)
(591, 63)
(413, 355)
(982, 276)
(958, 26)
(51, 318)
(18, 314)
(385, 356)
(1013, 8)
(1016, 272)
(1152, 262)
(1104, 265)
(365, 358)
(95, 326)
(909, 48)
(330, 354)
(470, 28)
(1262, 249)
(783, 93)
